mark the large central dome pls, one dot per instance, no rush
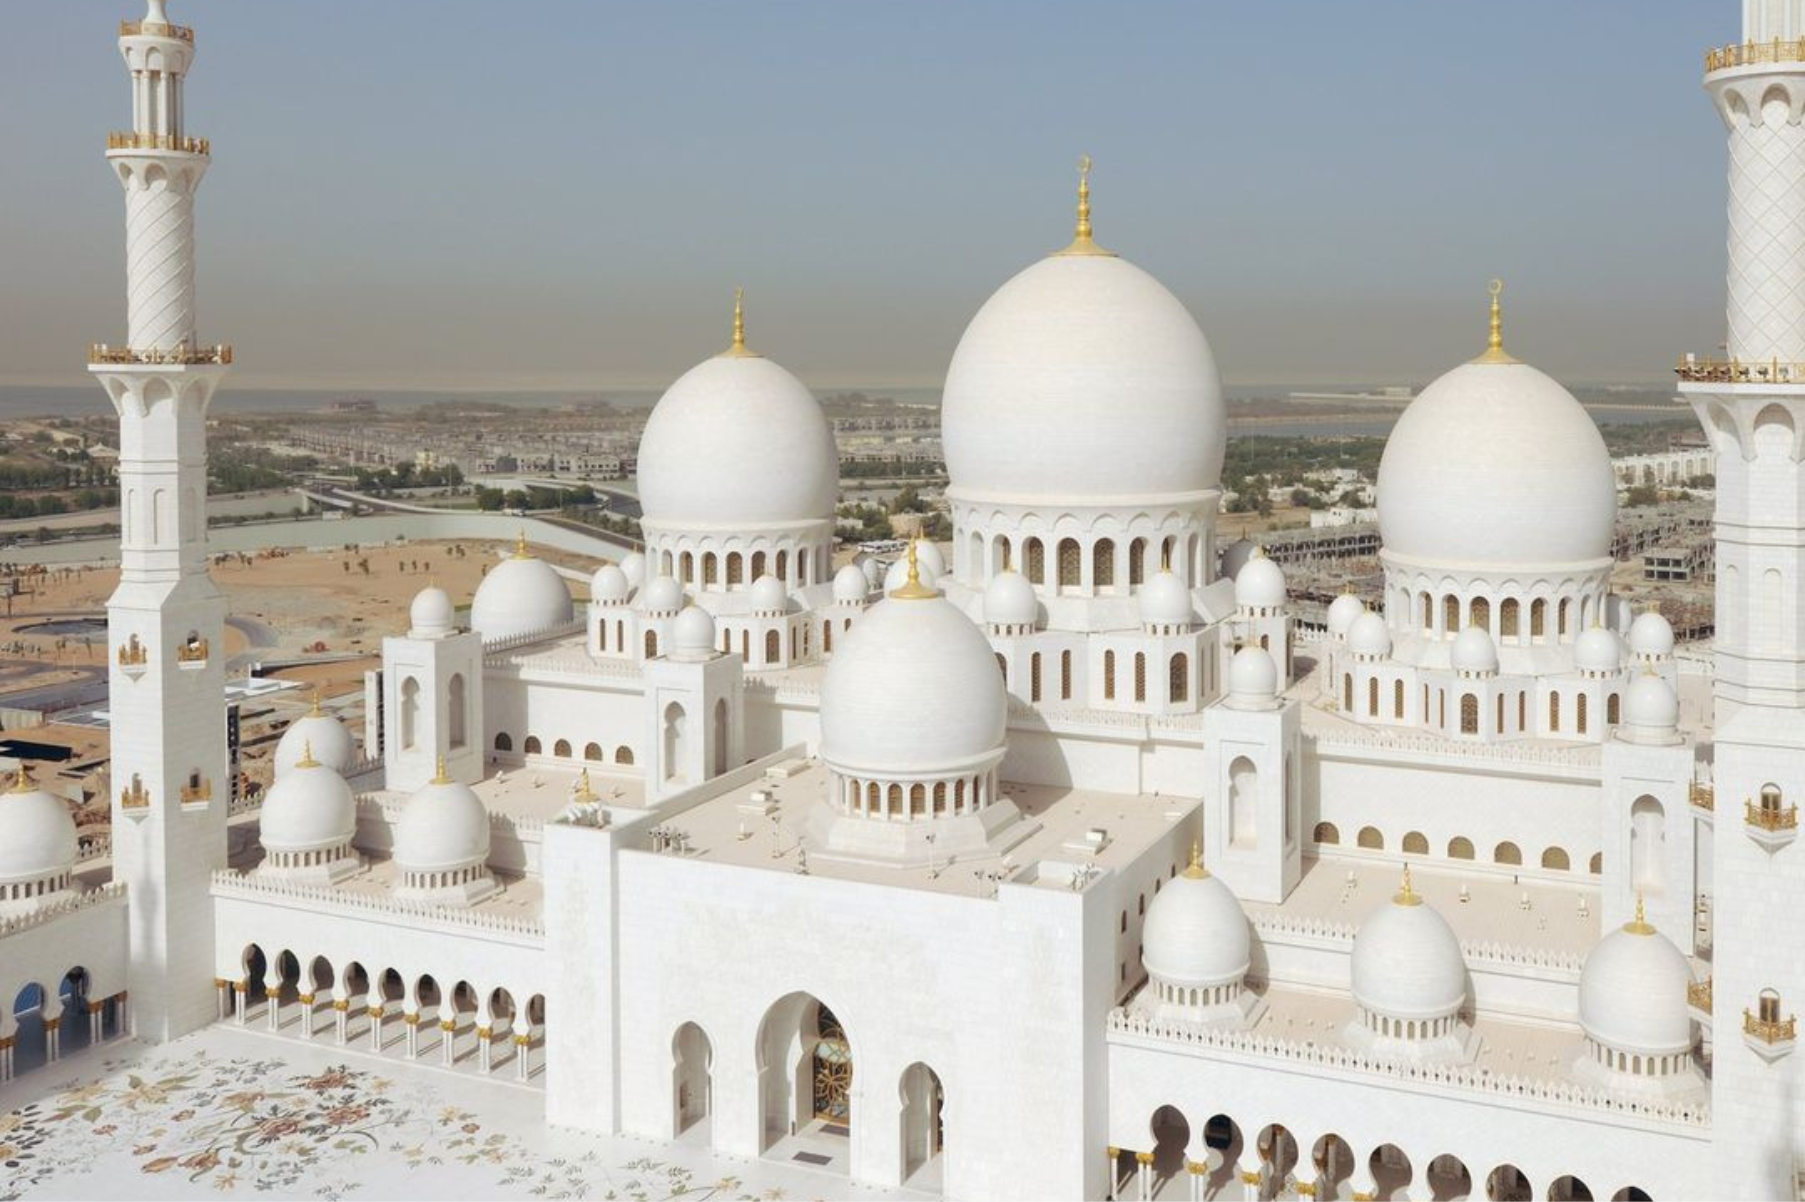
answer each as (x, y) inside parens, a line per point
(1082, 378)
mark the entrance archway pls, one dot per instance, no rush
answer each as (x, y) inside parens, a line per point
(692, 1084)
(805, 1068)
(923, 1123)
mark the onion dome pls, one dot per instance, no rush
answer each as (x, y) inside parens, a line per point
(1407, 963)
(1009, 601)
(692, 635)
(1038, 389)
(913, 689)
(444, 828)
(1632, 991)
(309, 808)
(520, 595)
(1496, 465)
(1368, 636)
(609, 585)
(1253, 679)
(1196, 934)
(1651, 711)
(897, 575)
(1651, 636)
(1342, 612)
(431, 615)
(927, 554)
(37, 836)
(1165, 601)
(737, 442)
(768, 596)
(1598, 650)
(1474, 652)
(317, 736)
(850, 585)
(1260, 583)
(874, 572)
(661, 596)
(634, 565)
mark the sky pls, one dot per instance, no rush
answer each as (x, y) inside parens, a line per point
(562, 194)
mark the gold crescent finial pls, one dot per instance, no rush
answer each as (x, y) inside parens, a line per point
(737, 349)
(1494, 341)
(307, 760)
(1406, 894)
(1195, 869)
(520, 551)
(913, 589)
(1639, 925)
(441, 777)
(1082, 243)
(584, 791)
(314, 710)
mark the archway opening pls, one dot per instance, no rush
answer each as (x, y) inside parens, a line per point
(692, 1081)
(923, 1126)
(1171, 1139)
(805, 1068)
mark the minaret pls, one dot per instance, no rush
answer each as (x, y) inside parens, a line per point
(1752, 406)
(166, 620)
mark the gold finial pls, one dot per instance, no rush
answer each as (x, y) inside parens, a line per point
(1494, 342)
(737, 349)
(1639, 925)
(520, 551)
(584, 791)
(441, 777)
(1258, 552)
(22, 779)
(1195, 869)
(307, 760)
(913, 589)
(314, 710)
(1082, 244)
(1406, 894)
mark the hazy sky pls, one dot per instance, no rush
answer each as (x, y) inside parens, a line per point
(560, 193)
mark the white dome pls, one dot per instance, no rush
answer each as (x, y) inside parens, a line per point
(1165, 601)
(850, 585)
(1650, 705)
(1632, 992)
(1082, 377)
(898, 574)
(662, 595)
(1496, 465)
(927, 553)
(693, 633)
(737, 442)
(634, 565)
(1260, 584)
(443, 827)
(330, 741)
(913, 687)
(768, 596)
(610, 585)
(874, 573)
(520, 595)
(1598, 650)
(309, 808)
(1342, 612)
(1651, 635)
(1252, 675)
(1474, 651)
(431, 613)
(1196, 934)
(1407, 963)
(1368, 635)
(37, 833)
(1009, 601)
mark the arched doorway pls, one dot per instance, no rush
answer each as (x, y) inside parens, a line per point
(923, 1125)
(73, 1033)
(1171, 1133)
(691, 1083)
(805, 1068)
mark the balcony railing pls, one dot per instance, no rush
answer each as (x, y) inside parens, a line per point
(1702, 796)
(137, 141)
(1748, 54)
(1698, 994)
(1735, 371)
(1770, 1030)
(134, 797)
(192, 793)
(1770, 818)
(101, 353)
(155, 29)
(192, 653)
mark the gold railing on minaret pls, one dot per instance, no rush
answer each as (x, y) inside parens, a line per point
(128, 140)
(1749, 54)
(192, 653)
(155, 29)
(135, 796)
(1738, 371)
(1770, 818)
(1698, 994)
(133, 654)
(1770, 1030)
(1701, 795)
(102, 354)
(202, 791)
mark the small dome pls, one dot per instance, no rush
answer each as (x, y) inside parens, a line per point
(1260, 583)
(1632, 992)
(898, 574)
(1165, 601)
(662, 595)
(1650, 706)
(873, 569)
(927, 552)
(610, 585)
(768, 596)
(850, 585)
(1407, 963)
(1342, 612)
(1252, 676)
(1009, 601)
(1234, 557)
(1651, 635)
(443, 827)
(309, 808)
(692, 635)
(1368, 635)
(330, 741)
(1474, 651)
(431, 614)
(520, 595)
(37, 833)
(634, 565)
(1598, 650)
(1196, 934)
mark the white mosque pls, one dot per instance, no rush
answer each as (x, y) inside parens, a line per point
(1053, 862)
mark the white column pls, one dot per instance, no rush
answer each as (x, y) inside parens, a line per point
(448, 1032)
(523, 1046)
(375, 1015)
(240, 991)
(272, 998)
(485, 1048)
(341, 1016)
(412, 1019)
(1251, 1176)
(306, 1000)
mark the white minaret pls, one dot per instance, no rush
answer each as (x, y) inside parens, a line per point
(166, 620)
(1753, 408)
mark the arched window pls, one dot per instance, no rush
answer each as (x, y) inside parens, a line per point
(457, 711)
(758, 564)
(504, 742)
(1137, 557)
(940, 797)
(1596, 865)
(1469, 714)
(710, 568)
(601, 635)
(532, 745)
(783, 566)
(1397, 699)
(1347, 692)
(1372, 697)
(773, 647)
(1071, 563)
(686, 567)
(802, 572)
(1579, 713)
(918, 800)
(1416, 844)
(733, 569)
(676, 740)
(1613, 709)
(1538, 618)
(1566, 616)
(651, 644)
(1327, 834)
(1556, 858)
(1648, 836)
(1178, 677)
(1460, 848)
(1522, 711)
(1507, 618)
(1034, 677)
(1109, 676)
(1450, 615)
(410, 712)
(1554, 712)
(1481, 612)
(1036, 556)
(1003, 667)
(1103, 564)
(1065, 675)
(561, 749)
(1507, 853)
(827, 638)
(623, 755)
(592, 752)
(1140, 676)
(1428, 613)
(1243, 789)
(1370, 838)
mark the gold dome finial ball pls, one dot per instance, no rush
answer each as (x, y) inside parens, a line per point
(441, 777)
(1494, 341)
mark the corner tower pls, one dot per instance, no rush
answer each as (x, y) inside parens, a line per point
(1752, 405)
(166, 620)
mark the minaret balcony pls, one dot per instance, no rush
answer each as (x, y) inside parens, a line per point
(138, 141)
(156, 29)
(134, 797)
(100, 354)
(1702, 796)
(1754, 54)
(1698, 998)
(1694, 370)
(1769, 1035)
(134, 657)
(192, 654)
(197, 791)
(1770, 825)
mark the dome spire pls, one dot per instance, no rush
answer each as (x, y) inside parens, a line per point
(737, 349)
(1494, 341)
(1639, 925)
(441, 777)
(307, 760)
(520, 551)
(1406, 894)
(22, 779)
(1082, 243)
(913, 589)
(584, 791)
(314, 711)
(1195, 869)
